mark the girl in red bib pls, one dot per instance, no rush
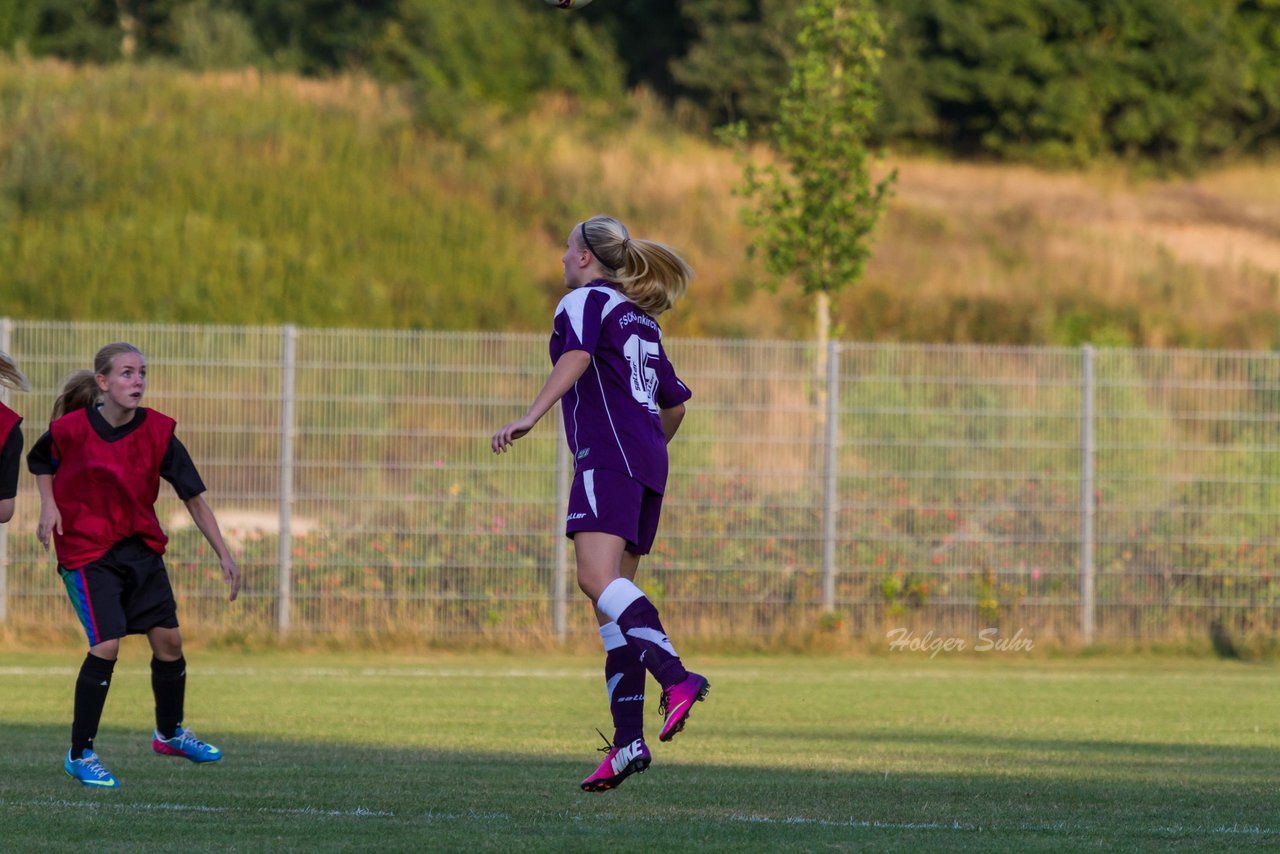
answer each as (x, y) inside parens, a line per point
(10, 438)
(98, 470)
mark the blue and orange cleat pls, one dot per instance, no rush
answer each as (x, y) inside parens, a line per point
(185, 744)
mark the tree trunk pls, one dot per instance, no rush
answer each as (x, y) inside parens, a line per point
(822, 317)
(822, 330)
(129, 27)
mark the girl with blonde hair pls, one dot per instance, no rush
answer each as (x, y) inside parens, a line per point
(622, 404)
(98, 469)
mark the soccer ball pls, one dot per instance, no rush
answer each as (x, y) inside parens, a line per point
(567, 4)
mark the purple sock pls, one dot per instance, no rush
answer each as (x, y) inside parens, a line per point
(638, 619)
(624, 677)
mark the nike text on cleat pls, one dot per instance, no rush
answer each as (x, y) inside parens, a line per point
(88, 771)
(619, 764)
(185, 744)
(677, 703)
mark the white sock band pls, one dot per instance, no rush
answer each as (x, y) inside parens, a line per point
(617, 597)
(612, 636)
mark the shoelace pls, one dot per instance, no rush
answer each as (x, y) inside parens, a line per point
(188, 738)
(662, 703)
(608, 745)
(95, 768)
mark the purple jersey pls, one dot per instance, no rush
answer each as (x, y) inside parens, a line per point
(611, 413)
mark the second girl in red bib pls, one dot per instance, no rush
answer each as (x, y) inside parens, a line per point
(98, 470)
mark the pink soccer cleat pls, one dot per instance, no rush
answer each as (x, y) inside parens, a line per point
(186, 745)
(677, 702)
(619, 764)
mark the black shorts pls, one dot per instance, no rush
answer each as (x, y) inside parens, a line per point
(124, 592)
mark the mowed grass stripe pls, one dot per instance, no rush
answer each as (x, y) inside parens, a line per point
(473, 815)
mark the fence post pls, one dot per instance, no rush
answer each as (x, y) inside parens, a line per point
(288, 380)
(1087, 489)
(564, 466)
(6, 336)
(830, 487)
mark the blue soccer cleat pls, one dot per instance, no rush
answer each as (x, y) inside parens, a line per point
(185, 744)
(88, 771)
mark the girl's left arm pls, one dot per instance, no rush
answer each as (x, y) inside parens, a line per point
(202, 515)
(671, 418)
(572, 365)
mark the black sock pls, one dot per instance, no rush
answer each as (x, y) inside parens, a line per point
(91, 695)
(169, 684)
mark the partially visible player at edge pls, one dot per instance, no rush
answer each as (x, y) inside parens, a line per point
(98, 469)
(10, 438)
(622, 404)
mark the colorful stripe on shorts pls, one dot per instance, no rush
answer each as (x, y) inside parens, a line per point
(78, 589)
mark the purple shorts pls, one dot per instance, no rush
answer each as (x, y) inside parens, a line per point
(612, 503)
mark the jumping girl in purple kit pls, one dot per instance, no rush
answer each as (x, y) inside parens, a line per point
(622, 403)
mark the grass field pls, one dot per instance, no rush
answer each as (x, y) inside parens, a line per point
(440, 751)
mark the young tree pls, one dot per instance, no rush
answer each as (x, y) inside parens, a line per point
(815, 216)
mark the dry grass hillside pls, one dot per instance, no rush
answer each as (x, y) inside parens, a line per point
(983, 253)
(966, 252)
(237, 197)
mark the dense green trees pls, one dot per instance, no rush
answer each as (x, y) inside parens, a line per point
(1061, 82)
(318, 36)
(1067, 81)
(1174, 82)
(497, 55)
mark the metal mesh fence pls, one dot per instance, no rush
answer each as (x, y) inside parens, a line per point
(1063, 493)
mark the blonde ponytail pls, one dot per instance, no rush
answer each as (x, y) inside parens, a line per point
(80, 391)
(652, 275)
(10, 375)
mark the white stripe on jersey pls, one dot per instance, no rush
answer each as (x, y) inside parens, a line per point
(577, 399)
(604, 401)
(575, 304)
